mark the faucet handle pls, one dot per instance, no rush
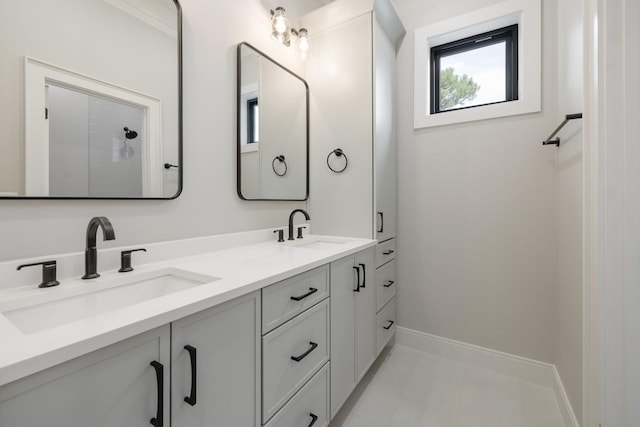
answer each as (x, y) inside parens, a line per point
(280, 235)
(300, 231)
(125, 259)
(48, 273)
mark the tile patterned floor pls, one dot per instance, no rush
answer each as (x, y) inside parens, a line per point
(409, 388)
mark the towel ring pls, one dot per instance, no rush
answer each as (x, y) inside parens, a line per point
(273, 165)
(338, 153)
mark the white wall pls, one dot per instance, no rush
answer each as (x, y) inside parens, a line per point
(340, 75)
(477, 212)
(283, 131)
(250, 182)
(568, 345)
(209, 204)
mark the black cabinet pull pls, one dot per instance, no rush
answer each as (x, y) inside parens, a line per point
(387, 252)
(364, 275)
(391, 322)
(191, 399)
(158, 421)
(314, 418)
(388, 285)
(306, 353)
(357, 289)
(381, 230)
(301, 297)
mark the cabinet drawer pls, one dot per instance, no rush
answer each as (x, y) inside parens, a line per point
(386, 284)
(386, 324)
(385, 252)
(306, 338)
(285, 300)
(310, 404)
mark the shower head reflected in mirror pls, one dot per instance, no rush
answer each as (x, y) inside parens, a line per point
(130, 134)
(126, 151)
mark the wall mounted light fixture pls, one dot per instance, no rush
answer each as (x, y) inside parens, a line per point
(280, 26)
(303, 46)
(281, 31)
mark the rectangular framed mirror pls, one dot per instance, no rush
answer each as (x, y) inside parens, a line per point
(273, 129)
(92, 99)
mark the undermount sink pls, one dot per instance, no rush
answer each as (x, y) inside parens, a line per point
(318, 244)
(99, 298)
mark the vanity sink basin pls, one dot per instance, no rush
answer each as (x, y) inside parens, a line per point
(319, 244)
(99, 298)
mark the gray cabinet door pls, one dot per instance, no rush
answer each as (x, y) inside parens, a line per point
(353, 323)
(112, 387)
(365, 315)
(343, 284)
(385, 134)
(226, 340)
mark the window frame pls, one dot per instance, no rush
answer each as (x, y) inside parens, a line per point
(251, 120)
(526, 13)
(508, 34)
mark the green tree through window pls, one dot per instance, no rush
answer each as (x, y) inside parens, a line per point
(456, 89)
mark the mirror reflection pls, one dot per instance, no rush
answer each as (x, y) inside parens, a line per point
(272, 129)
(91, 99)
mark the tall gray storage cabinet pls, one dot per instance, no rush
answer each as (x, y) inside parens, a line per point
(352, 80)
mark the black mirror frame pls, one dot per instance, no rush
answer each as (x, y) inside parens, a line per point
(238, 132)
(180, 138)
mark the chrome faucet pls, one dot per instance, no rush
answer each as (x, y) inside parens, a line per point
(302, 211)
(90, 253)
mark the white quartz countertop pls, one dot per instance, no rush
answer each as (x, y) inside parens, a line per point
(240, 270)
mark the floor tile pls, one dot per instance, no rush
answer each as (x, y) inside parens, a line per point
(409, 388)
(539, 406)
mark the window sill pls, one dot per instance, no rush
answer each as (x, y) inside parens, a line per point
(481, 112)
(249, 148)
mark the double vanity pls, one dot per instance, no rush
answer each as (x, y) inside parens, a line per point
(266, 333)
(241, 330)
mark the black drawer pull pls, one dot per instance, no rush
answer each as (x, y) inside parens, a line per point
(364, 275)
(301, 297)
(191, 399)
(314, 418)
(158, 421)
(388, 252)
(391, 322)
(306, 353)
(357, 289)
(381, 230)
(388, 285)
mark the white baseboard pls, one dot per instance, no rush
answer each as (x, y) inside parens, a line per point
(519, 367)
(543, 374)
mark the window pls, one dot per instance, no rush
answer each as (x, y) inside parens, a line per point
(253, 117)
(463, 40)
(474, 71)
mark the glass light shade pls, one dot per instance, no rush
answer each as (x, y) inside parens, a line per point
(304, 48)
(281, 27)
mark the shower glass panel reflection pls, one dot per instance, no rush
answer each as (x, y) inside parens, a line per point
(90, 152)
